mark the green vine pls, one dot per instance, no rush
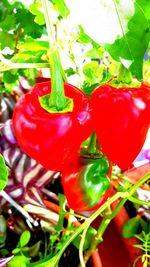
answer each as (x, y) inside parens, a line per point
(122, 197)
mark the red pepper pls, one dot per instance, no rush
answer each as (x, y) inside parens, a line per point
(121, 118)
(85, 183)
(47, 137)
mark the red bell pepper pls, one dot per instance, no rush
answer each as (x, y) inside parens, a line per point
(121, 118)
(50, 138)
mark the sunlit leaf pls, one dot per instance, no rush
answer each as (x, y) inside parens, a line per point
(90, 71)
(122, 27)
(6, 40)
(61, 7)
(130, 228)
(24, 239)
(132, 46)
(3, 173)
(84, 38)
(95, 53)
(36, 9)
(19, 261)
(31, 45)
(9, 77)
(3, 229)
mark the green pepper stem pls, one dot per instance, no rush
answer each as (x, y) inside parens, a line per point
(125, 79)
(57, 97)
(57, 101)
(92, 144)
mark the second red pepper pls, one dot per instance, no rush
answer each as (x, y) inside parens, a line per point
(121, 118)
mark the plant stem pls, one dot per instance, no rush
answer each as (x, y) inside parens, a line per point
(82, 258)
(49, 25)
(79, 230)
(143, 180)
(106, 220)
(98, 238)
(57, 97)
(139, 201)
(92, 144)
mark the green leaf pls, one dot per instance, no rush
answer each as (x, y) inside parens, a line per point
(130, 228)
(26, 21)
(145, 226)
(19, 261)
(31, 51)
(28, 57)
(61, 6)
(70, 71)
(3, 173)
(33, 45)
(95, 53)
(60, 223)
(90, 71)
(46, 262)
(9, 77)
(31, 74)
(122, 27)
(6, 40)
(34, 250)
(36, 9)
(88, 239)
(9, 22)
(145, 8)
(24, 239)
(84, 38)
(4, 252)
(16, 251)
(3, 229)
(130, 49)
(88, 88)
(16, 23)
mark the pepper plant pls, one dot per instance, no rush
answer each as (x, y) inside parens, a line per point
(87, 120)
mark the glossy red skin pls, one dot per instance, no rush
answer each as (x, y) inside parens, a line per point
(73, 191)
(51, 138)
(121, 118)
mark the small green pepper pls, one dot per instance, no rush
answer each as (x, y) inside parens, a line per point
(86, 183)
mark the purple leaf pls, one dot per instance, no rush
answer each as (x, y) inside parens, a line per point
(8, 133)
(37, 175)
(147, 153)
(3, 262)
